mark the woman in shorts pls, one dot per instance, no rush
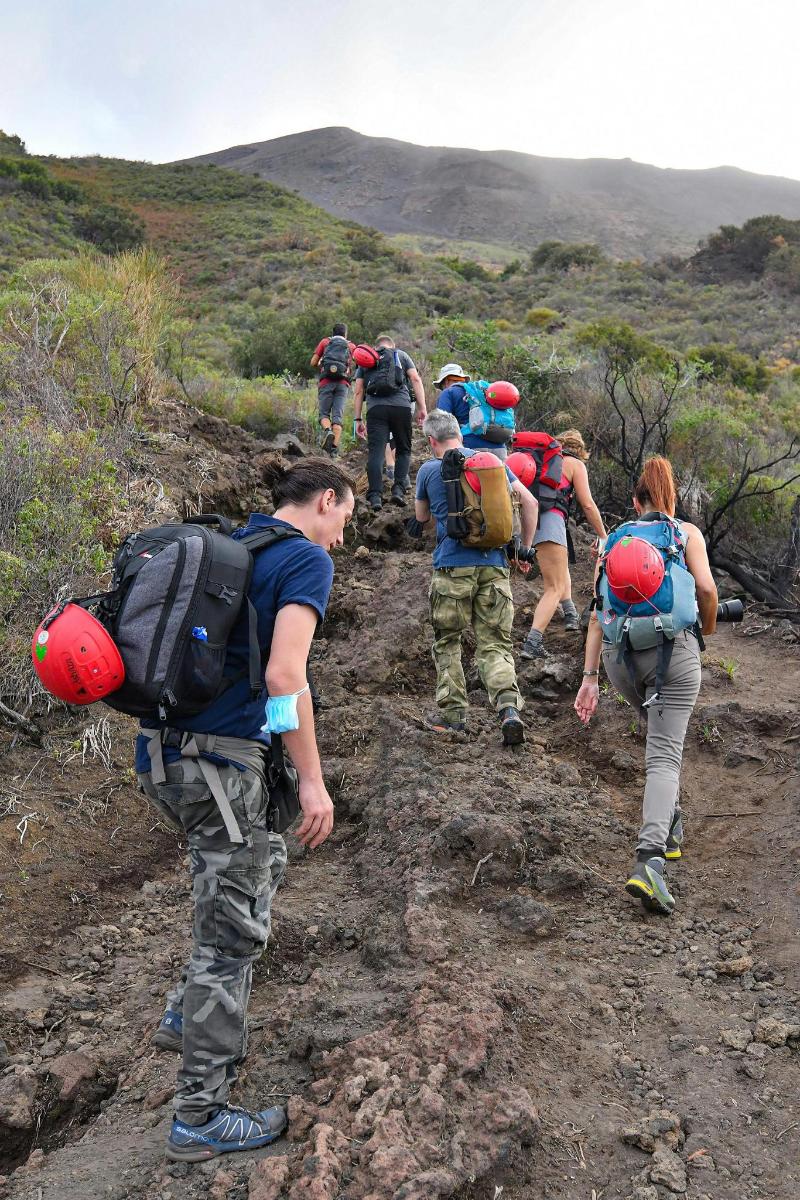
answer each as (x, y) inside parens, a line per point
(551, 539)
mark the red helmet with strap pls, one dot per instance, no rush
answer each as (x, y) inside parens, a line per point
(75, 657)
(502, 394)
(365, 356)
(523, 466)
(634, 569)
(482, 460)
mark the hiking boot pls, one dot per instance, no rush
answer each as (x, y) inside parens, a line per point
(511, 726)
(169, 1035)
(398, 494)
(533, 647)
(326, 440)
(227, 1130)
(648, 884)
(375, 502)
(441, 722)
(675, 836)
(334, 451)
(572, 623)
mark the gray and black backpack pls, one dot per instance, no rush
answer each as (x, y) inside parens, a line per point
(335, 358)
(176, 593)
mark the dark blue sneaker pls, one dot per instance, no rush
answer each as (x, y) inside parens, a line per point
(228, 1130)
(169, 1035)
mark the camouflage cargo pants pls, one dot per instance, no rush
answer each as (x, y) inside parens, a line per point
(480, 597)
(233, 887)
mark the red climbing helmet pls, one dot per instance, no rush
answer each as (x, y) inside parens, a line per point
(523, 466)
(502, 394)
(634, 569)
(75, 657)
(365, 356)
(482, 460)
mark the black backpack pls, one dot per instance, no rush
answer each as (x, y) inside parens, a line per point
(335, 358)
(176, 594)
(388, 376)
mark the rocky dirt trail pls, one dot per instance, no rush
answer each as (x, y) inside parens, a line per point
(459, 999)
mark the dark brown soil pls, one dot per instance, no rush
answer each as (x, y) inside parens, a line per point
(460, 999)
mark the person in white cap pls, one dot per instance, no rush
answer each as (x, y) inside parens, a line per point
(453, 399)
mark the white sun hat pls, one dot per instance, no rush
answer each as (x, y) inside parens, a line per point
(450, 369)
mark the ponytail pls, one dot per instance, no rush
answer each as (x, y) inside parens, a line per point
(656, 486)
(299, 483)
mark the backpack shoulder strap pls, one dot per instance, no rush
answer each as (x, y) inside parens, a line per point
(253, 542)
(268, 537)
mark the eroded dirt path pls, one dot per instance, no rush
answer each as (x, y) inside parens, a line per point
(459, 996)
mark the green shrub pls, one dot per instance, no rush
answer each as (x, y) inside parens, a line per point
(109, 228)
(542, 318)
(59, 496)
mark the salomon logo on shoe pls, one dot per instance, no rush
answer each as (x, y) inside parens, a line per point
(169, 1035)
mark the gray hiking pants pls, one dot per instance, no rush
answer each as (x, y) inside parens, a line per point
(233, 887)
(667, 722)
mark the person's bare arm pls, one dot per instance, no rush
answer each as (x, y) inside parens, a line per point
(583, 494)
(422, 511)
(358, 404)
(314, 360)
(285, 674)
(697, 562)
(419, 394)
(529, 512)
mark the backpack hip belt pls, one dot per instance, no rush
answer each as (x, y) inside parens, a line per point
(252, 755)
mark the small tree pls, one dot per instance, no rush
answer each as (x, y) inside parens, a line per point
(641, 382)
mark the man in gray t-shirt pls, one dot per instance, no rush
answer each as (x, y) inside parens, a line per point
(390, 390)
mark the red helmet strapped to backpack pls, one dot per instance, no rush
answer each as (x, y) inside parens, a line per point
(365, 356)
(502, 394)
(523, 466)
(634, 569)
(75, 657)
(481, 460)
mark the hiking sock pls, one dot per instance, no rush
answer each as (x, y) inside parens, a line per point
(568, 608)
(646, 855)
(535, 637)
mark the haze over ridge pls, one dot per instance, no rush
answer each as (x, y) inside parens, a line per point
(507, 197)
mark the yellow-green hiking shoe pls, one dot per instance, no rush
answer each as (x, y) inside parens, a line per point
(675, 836)
(648, 884)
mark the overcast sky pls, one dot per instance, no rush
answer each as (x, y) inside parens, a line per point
(679, 83)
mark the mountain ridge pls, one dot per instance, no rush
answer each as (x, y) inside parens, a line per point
(506, 196)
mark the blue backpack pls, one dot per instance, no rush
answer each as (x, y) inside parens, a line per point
(494, 425)
(657, 621)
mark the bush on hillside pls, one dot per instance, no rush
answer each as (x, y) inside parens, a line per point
(109, 228)
(728, 363)
(561, 256)
(763, 247)
(60, 495)
(85, 335)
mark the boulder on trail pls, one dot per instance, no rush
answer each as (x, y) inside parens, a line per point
(17, 1095)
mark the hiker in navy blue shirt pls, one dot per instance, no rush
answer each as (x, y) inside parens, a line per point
(453, 399)
(215, 777)
(470, 587)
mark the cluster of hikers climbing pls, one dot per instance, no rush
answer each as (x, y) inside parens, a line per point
(204, 635)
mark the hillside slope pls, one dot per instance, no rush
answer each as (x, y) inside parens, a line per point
(630, 209)
(459, 996)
